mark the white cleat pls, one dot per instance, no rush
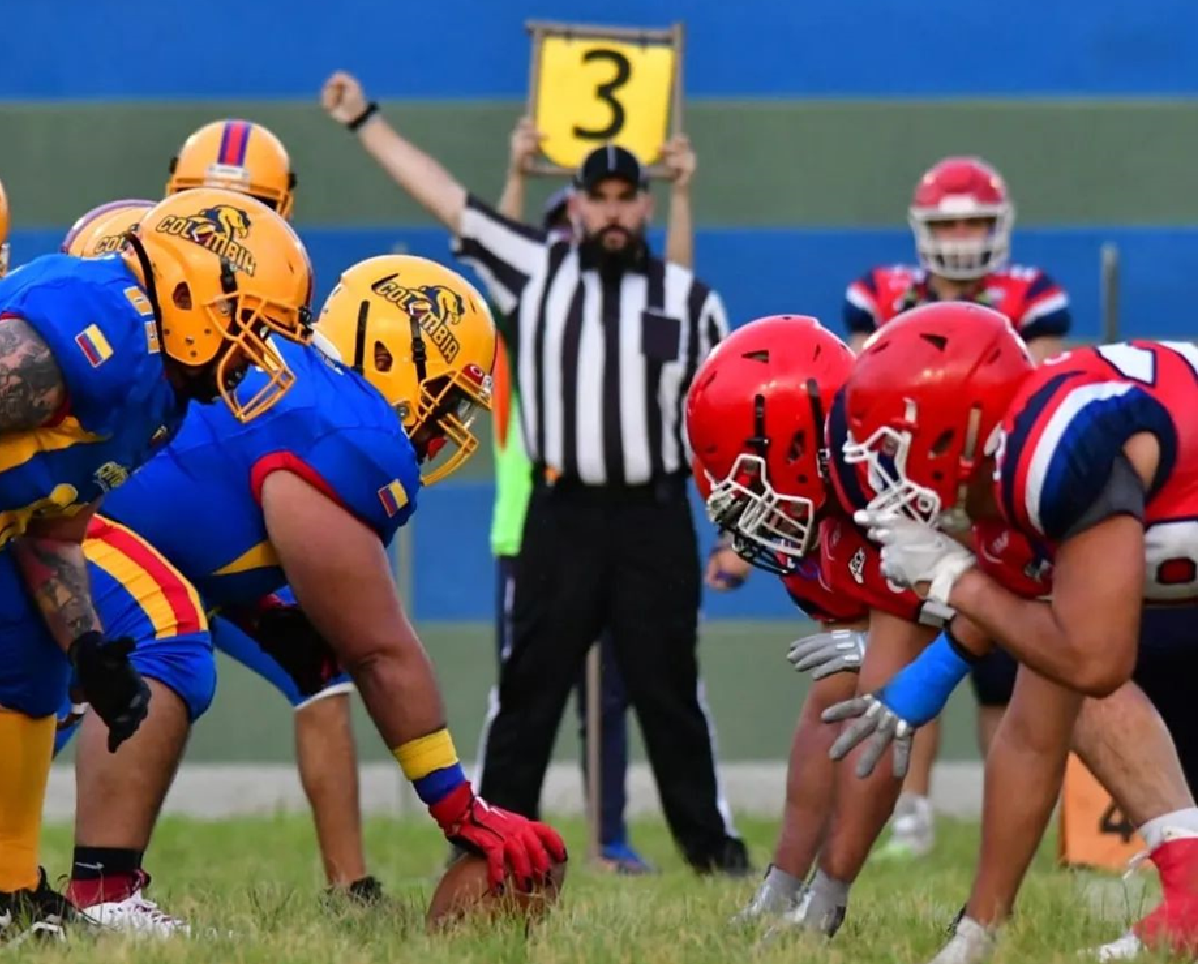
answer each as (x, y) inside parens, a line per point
(912, 830)
(971, 943)
(1126, 948)
(137, 915)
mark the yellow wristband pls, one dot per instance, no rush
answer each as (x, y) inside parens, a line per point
(424, 755)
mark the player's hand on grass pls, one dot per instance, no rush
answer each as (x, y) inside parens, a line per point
(115, 690)
(508, 841)
(826, 653)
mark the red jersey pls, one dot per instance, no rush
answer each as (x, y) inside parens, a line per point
(1067, 426)
(1036, 305)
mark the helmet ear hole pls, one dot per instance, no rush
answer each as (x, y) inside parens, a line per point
(181, 296)
(943, 441)
(383, 359)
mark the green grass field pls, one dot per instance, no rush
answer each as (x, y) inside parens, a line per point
(259, 879)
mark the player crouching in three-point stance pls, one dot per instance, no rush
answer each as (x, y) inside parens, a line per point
(98, 361)
(1093, 456)
(285, 538)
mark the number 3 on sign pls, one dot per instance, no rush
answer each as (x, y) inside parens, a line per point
(591, 90)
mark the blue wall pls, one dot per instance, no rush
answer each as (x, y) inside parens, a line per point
(84, 49)
(764, 271)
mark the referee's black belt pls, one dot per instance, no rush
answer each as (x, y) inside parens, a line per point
(662, 488)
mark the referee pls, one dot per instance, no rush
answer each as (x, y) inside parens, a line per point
(605, 339)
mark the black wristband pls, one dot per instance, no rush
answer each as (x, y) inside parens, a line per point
(89, 640)
(958, 647)
(370, 110)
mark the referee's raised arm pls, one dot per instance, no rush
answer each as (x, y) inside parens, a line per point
(506, 251)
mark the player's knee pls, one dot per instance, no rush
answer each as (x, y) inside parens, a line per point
(185, 665)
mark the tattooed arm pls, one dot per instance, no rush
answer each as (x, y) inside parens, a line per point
(50, 557)
(31, 384)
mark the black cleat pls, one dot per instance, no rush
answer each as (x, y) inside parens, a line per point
(39, 914)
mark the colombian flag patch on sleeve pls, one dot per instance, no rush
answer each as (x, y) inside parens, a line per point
(393, 497)
(94, 345)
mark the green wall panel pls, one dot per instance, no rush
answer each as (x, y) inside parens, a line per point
(829, 163)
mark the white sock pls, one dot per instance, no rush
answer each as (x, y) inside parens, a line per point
(1153, 830)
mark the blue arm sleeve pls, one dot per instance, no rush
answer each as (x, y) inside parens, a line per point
(920, 691)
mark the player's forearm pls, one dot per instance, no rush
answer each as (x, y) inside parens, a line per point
(1028, 629)
(400, 691)
(418, 173)
(55, 572)
(1022, 781)
(680, 230)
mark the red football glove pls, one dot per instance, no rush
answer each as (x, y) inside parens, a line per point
(502, 837)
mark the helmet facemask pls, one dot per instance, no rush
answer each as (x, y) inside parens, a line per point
(962, 259)
(885, 454)
(772, 531)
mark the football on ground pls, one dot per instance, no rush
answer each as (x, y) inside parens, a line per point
(464, 891)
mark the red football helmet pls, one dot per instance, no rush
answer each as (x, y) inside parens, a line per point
(924, 404)
(755, 421)
(961, 189)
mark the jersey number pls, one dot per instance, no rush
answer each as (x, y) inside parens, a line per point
(1170, 548)
(1138, 363)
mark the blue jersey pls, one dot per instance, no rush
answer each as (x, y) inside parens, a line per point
(197, 500)
(99, 326)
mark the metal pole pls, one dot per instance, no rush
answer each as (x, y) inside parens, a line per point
(594, 738)
(1110, 292)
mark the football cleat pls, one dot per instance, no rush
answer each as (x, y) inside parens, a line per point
(136, 914)
(38, 914)
(1173, 925)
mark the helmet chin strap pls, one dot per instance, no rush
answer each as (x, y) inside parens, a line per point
(147, 271)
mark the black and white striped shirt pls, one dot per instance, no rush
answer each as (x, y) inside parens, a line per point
(601, 367)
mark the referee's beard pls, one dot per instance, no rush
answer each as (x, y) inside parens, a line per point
(613, 257)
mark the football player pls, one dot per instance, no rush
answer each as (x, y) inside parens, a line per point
(753, 419)
(102, 230)
(285, 538)
(100, 358)
(237, 155)
(1093, 457)
(961, 215)
(244, 156)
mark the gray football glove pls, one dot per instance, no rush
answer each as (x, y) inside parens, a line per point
(822, 654)
(872, 720)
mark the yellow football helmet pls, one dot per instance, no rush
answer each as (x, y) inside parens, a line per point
(223, 271)
(103, 230)
(424, 337)
(3, 232)
(237, 155)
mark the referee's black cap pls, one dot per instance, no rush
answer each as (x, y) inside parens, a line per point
(610, 161)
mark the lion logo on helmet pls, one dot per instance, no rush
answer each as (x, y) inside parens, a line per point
(220, 229)
(434, 307)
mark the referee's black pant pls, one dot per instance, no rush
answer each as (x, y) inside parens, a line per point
(624, 560)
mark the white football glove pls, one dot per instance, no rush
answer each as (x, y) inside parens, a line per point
(913, 552)
(822, 654)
